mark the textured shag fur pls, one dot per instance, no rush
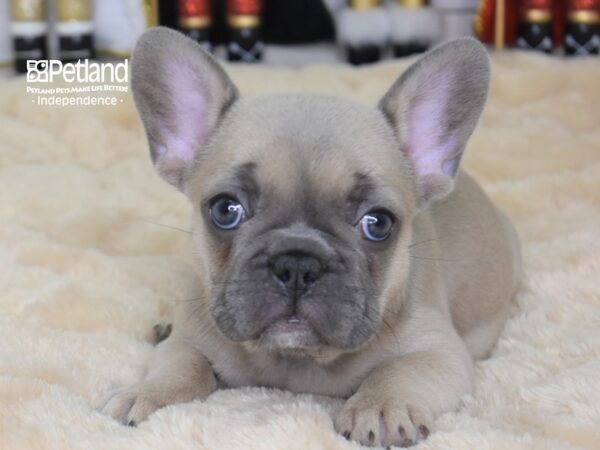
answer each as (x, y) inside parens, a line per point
(86, 271)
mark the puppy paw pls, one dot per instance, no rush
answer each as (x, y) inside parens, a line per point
(374, 421)
(133, 404)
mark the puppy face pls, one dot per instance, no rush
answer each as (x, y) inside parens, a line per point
(284, 203)
(303, 204)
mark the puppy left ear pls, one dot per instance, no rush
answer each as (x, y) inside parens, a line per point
(434, 107)
(181, 94)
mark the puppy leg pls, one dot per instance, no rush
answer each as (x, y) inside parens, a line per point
(178, 373)
(397, 403)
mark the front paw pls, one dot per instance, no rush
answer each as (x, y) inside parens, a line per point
(133, 404)
(373, 419)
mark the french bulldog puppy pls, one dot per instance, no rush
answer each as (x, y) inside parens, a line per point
(339, 249)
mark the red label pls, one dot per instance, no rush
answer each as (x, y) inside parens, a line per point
(244, 7)
(536, 4)
(193, 8)
(579, 5)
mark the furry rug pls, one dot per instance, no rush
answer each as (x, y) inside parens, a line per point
(87, 269)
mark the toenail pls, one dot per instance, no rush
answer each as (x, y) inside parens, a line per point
(402, 432)
(371, 437)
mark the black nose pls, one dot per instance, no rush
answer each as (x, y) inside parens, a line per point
(297, 270)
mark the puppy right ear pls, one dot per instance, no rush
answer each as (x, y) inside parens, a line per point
(434, 107)
(181, 94)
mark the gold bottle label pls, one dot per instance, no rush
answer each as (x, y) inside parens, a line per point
(537, 15)
(243, 21)
(364, 4)
(584, 16)
(194, 22)
(79, 10)
(412, 4)
(28, 10)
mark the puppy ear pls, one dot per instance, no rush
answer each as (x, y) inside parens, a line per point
(434, 107)
(181, 93)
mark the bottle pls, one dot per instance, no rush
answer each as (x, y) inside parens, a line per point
(28, 29)
(194, 20)
(363, 28)
(75, 30)
(582, 31)
(535, 26)
(243, 30)
(415, 26)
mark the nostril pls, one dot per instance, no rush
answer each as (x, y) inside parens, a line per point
(284, 275)
(282, 272)
(309, 278)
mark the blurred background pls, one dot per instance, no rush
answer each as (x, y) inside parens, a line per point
(292, 32)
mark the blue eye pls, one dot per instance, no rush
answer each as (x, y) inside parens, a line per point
(227, 213)
(376, 225)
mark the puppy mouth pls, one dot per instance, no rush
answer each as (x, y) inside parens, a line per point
(292, 332)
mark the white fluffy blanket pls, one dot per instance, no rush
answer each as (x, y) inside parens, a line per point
(86, 272)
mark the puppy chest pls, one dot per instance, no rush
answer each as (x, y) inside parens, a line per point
(299, 377)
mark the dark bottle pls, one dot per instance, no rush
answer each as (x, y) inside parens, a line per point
(243, 31)
(409, 18)
(75, 30)
(29, 30)
(360, 52)
(535, 26)
(194, 20)
(582, 29)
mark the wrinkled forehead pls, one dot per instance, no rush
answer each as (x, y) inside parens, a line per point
(295, 145)
(285, 174)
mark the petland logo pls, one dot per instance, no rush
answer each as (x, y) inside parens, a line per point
(47, 70)
(84, 83)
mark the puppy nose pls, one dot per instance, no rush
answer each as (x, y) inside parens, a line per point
(297, 270)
